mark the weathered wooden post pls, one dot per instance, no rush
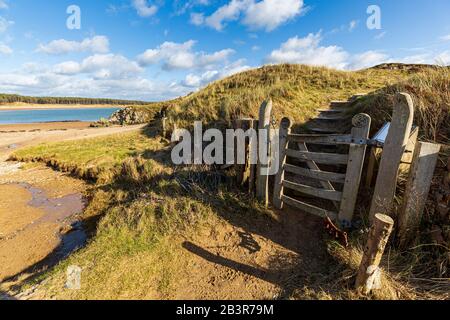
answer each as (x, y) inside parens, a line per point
(369, 274)
(416, 192)
(360, 133)
(262, 177)
(285, 130)
(164, 126)
(245, 172)
(394, 148)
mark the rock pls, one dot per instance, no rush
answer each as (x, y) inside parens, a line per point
(130, 116)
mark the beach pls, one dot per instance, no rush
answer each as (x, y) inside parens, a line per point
(27, 106)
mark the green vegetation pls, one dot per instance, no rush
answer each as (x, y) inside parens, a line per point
(14, 98)
(146, 207)
(93, 158)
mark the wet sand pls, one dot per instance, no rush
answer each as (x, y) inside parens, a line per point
(39, 207)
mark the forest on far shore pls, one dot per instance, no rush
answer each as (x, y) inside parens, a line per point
(14, 98)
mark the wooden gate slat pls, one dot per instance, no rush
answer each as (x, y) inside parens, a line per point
(315, 174)
(323, 158)
(329, 139)
(309, 208)
(320, 193)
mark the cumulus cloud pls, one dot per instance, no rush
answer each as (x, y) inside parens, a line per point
(445, 38)
(265, 14)
(144, 8)
(106, 66)
(97, 44)
(5, 50)
(307, 50)
(181, 56)
(198, 80)
(3, 4)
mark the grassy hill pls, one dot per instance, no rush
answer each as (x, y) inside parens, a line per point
(147, 209)
(297, 91)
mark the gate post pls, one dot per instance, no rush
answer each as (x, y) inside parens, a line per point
(396, 141)
(285, 130)
(417, 189)
(360, 132)
(262, 177)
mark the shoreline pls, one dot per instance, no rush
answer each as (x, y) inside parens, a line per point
(25, 106)
(44, 126)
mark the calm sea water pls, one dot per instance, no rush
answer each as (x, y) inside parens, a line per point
(54, 115)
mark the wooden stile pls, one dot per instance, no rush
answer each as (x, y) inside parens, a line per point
(416, 192)
(285, 130)
(262, 180)
(361, 129)
(394, 148)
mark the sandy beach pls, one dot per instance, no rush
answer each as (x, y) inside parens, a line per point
(27, 106)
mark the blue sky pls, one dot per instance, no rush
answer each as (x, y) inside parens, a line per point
(160, 49)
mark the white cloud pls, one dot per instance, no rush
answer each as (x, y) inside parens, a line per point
(443, 58)
(3, 4)
(308, 51)
(445, 38)
(199, 80)
(269, 14)
(144, 8)
(5, 50)
(97, 44)
(265, 14)
(366, 60)
(181, 56)
(352, 25)
(106, 66)
(5, 24)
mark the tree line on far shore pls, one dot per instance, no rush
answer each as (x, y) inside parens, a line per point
(13, 98)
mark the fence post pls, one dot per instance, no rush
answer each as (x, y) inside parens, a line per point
(417, 189)
(285, 130)
(262, 177)
(244, 172)
(360, 131)
(394, 148)
(164, 126)
(369, 273)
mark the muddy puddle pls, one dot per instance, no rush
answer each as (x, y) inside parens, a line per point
(36, 229)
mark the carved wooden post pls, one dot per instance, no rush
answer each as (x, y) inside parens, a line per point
(262, 177)
(245, 172)
(417, 189)
(394, 148)
(360, 131)
(285, 130)
(369, 273)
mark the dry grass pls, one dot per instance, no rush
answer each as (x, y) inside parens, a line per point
(296, 90)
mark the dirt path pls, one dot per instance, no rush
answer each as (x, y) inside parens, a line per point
(261, 258)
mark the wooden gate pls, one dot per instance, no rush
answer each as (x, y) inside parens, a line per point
(295, 147)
